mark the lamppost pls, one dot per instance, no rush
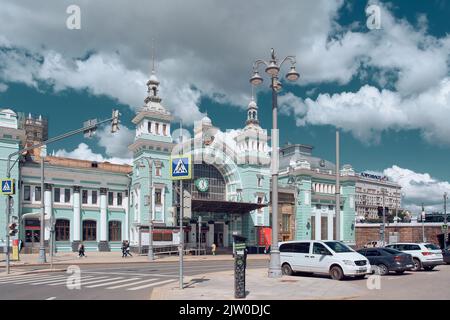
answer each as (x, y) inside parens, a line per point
(445, 220)
(273, 69)
(151, 255)
(383, 227)
(423, 223)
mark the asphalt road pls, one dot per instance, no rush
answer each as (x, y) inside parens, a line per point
(109, 281)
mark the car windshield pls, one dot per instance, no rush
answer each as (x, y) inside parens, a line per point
(390, 251)
(432, 246)
(338, 247)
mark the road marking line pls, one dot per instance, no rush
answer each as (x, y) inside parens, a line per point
(130, 274)
(37, 280)
(51, 298)
(132, 284)
(25, 278)
(114, 282)
(150, 285)
(62, 281)
(82, 283)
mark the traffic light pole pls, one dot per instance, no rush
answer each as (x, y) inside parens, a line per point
(114, 120)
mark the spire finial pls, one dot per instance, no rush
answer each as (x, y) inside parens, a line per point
(153, 56)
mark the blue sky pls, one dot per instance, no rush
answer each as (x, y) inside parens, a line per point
(387, 90)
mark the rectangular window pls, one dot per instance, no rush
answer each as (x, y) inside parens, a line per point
(94, 197)
(158, 197)
(84, 196)
(285, 222)
(259, 182)
(27, 193)
(66, 195)
(37, 193)
(110, 198)
(119, 198)
(149, 127)
(158, 171)
(260, 199)
(57, 195)
(156, 128)
(165, 129)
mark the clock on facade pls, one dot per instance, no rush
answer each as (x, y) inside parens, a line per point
(202, 184)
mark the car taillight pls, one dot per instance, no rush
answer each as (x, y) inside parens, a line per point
(397, 258)
(426, 253)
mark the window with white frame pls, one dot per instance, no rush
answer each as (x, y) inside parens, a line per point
(56, 195)
(26, 193)
(158, 171)
(158, 197)
(119, 199)
(260, 201)
(94, 197)
(84, 196)
(67, 195)
(260, 182)
(37, 194)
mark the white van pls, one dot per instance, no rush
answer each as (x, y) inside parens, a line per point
(326, 257)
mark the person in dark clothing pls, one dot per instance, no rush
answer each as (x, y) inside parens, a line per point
(81, 250)
(127, 249)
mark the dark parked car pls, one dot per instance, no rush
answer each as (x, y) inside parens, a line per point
(446, 256)
(386, 259)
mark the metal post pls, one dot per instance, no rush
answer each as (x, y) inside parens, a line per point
(181, 218)
(384, 221)
(445, 220)
(274, 267)
(8, 214)
(151, 255)
(42, 255)
(338, 191)
(423, 223)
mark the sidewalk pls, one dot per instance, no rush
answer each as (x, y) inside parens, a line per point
(114, 257)
(220, 286)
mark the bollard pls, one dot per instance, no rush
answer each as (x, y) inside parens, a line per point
(239, 274)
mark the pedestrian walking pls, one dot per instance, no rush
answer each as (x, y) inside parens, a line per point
(213, 249)
(81, 250)
(127, 249)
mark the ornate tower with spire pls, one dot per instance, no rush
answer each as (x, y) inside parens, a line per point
(151, 189)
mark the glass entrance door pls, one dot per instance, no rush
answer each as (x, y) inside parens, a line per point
(32, 238)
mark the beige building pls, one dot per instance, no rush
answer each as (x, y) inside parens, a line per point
(374, 191)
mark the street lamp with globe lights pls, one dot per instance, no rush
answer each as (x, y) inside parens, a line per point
(273, 69)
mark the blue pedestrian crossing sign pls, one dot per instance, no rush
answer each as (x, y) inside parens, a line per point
(7, 187)
(181, 168)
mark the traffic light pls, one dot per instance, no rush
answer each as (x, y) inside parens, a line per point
(380, 211)
(12, 229)
(115, 121)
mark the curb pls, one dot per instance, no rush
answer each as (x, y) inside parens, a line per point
(4, 275)
(117, 262)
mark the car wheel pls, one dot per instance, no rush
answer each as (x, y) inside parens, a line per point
(417, 265)
(400, 272)
(336, 273)
(429, 268)
(286, 269)
(382, 269)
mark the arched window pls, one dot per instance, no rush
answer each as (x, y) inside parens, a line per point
(89, 230)
(115, 231)
(62, 230)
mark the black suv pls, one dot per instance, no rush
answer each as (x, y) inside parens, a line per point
(386, 259)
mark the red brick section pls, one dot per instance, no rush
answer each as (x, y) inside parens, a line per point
(365, 234)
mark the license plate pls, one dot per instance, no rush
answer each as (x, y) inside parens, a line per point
(409, 265)
(361, 270)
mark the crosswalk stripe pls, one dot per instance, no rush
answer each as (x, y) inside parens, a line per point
(39, 280)
(131, 284)
(82, 283)
(62, 281)
(95, 281)
(27, 279)
(150, 285)
(114, 282)
(23, 277)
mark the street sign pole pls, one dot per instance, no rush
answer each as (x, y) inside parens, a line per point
(181, 215)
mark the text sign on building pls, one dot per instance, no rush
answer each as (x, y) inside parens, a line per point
(7, 187)
(181, 168)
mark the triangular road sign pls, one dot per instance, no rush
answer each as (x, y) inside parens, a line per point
(180, 168)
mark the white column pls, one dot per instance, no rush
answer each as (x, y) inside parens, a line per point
(48, 210)
(76, 215)
(225, 235)
(318, 225)
(210, 235)
(125, 231)
(163, 205)
(330, 224)
(103, 215)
